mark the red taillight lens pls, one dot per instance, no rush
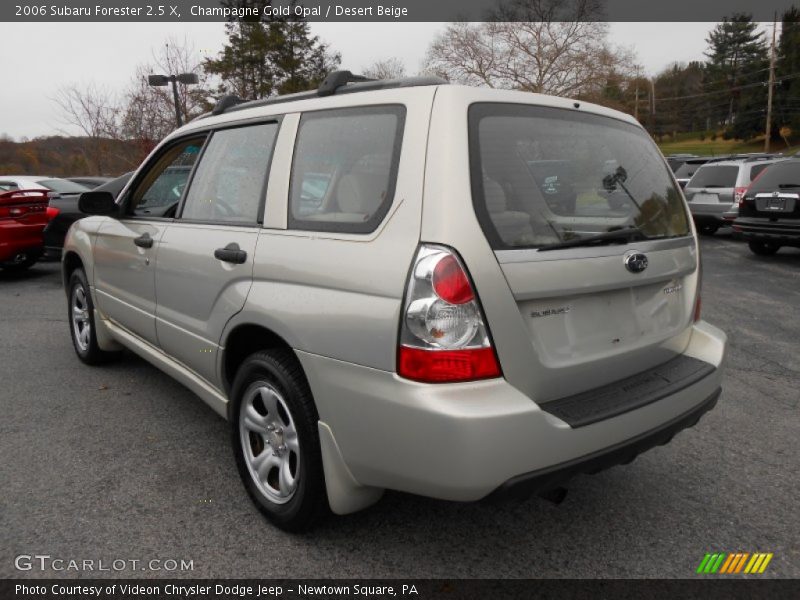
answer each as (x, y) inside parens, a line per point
(443, 335)
(450, 282)
(434, 366)
(52, 211)
(697, 306)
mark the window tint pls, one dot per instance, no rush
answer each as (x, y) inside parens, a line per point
(8, 186)
(546, 175)
(345, 167)
(781, 175)
(714, 176)
(161, 187)
(229, 183)
(756, 170)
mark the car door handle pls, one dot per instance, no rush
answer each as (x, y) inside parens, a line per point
(144, 241)
(231, 253)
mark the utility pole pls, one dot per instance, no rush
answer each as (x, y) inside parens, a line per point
(636, 102)
(653, 96)
(768, 131)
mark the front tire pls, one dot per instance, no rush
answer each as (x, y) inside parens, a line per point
(276, 441)
(81, 318)
(763, 248)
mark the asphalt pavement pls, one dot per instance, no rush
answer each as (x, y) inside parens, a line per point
(122, 463)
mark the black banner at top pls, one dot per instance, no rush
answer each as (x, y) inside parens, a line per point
(387, 10)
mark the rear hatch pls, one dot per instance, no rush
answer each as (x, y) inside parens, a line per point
(775, 194)
(593, 238)
(711, 189)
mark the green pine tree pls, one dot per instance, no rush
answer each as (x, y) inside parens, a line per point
(736, 68)
(263, 58)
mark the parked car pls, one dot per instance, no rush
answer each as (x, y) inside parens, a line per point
(403, 284)
(90, 182)
(769, 211)
(676, 160)
(22, 218)
(63, 211)
(32, 182)
(685, 171)
(715, 189)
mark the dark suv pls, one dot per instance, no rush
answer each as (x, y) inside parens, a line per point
(769, 212)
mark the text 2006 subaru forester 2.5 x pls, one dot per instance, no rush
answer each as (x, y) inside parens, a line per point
(402, 284)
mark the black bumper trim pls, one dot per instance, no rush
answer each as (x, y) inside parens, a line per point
(544, 480)
(630, 393)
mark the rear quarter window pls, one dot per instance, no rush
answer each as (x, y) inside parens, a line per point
(344, 168)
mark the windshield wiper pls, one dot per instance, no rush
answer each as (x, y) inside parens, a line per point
(624, 235)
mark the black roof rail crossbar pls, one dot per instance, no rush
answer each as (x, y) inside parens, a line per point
(225, 103)
(338, 79)
(365, 85)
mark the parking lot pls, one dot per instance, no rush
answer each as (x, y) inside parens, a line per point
(121, 462)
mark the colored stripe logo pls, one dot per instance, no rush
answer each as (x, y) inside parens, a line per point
(724, 563)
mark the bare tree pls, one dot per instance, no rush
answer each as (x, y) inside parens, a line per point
(547, 46)
(148, 114)
(94, 111)
(389, 68)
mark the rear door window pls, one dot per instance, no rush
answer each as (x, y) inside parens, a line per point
(546, 175)
(345, 168)
(229, 185)
(714, 176)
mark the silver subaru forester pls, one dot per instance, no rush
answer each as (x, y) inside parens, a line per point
(402, 284)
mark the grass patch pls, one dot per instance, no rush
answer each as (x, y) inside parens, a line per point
(720, 146)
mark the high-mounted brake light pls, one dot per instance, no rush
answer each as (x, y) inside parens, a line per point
(443, 337)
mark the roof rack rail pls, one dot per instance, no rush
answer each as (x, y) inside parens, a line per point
(337, 82)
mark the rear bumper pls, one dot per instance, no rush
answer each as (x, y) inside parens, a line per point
(714, 213)
(464, 441)
(784, 231)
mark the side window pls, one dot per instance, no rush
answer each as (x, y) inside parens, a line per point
(8, 186)
(345, 168)
(229, 183)
(161, 188)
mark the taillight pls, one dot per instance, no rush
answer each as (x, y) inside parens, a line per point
(443, 337)
(697, 299)
(738, 195)
(52, 211)
(698, 304)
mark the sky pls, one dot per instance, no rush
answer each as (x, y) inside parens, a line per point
(40, 58)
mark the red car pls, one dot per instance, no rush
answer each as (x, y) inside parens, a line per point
(23, 216)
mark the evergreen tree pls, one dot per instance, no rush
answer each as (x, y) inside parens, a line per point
(737, 65)
(267, 57)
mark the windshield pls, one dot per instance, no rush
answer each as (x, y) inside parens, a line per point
(62, 186)
(714, 176)
(543, 176)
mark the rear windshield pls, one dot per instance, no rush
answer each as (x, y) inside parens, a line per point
(62, 186)
(686, 170)
(783, 175)
(546, 175)
(714, 176)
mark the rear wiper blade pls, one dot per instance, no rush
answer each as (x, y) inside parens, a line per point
(789, 185)
(625, 234)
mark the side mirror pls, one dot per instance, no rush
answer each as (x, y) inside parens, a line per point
(98, 203)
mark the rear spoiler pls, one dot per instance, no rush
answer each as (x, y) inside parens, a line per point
(18, 197)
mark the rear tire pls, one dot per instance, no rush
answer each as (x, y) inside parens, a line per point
(275, 440)
(763, 248)
(81, 318)
(708, 228)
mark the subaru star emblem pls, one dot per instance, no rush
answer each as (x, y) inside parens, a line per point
(635, 262)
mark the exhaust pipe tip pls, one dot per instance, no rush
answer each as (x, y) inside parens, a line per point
(556, 495)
